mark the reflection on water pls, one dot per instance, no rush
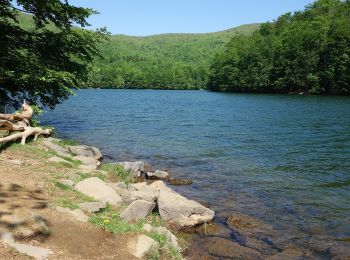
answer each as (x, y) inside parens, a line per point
(283, 159)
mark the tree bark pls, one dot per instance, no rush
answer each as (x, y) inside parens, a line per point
(20, 123)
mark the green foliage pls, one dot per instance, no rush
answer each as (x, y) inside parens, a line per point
(43, 62)
(110, 220)
(65, 203)
(160, 238)
(174, 253)
(167, 61)
(154, 255)
(118, 171)
(37, 111)
(67, 142)
(306, 52)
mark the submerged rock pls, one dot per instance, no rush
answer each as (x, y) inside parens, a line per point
(221, 247)
(213, 230)
(176, 181)
(99, 190)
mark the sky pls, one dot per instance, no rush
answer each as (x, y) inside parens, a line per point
(149, 17)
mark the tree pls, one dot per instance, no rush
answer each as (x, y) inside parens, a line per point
(43, 64)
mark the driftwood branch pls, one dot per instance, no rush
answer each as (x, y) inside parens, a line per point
(19, 123)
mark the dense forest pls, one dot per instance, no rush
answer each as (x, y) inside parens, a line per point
(302, 52)
(167, 61)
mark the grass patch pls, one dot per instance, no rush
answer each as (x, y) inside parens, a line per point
(72, 194)
(31, 150)
(160, 238)
(118, 171)
(153, 255)
(65, 143)
(174, 253)
(65, 203)
(155, 220)
(84, 175)
(110, 220)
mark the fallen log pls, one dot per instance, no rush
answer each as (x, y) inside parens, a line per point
(19, 123)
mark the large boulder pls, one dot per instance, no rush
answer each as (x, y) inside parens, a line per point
(142, 246)
(126, 195)
(147, 192)
(99, 190)
(84, 150)
(181, 211)
(88, 163)
(138, 209)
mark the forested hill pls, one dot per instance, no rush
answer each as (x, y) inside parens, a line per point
(166, 61)
(306, 51)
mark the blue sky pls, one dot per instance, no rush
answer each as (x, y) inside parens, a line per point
(148, 17)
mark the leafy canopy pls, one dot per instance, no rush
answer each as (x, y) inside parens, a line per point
(306, 51)
(44, 63)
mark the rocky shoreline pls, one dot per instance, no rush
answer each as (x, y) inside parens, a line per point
(132, 198)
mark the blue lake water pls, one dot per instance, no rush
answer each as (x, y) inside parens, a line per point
(283, 159)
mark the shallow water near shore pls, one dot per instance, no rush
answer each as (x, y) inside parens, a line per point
(283, 159)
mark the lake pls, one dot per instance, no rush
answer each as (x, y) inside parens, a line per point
(281, 158)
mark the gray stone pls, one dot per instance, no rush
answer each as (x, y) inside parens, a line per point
(147, 192)
(57, 159)
(92, 207)
(33, 251)
(89, 162)
(99, 190)
(142, 246)
(171, 238)
(120, 185)
(181, 211)
(126, 195)
(48, 143)
(159, 174)
(77, 214)
(147, 227)
(138, 209)
(87, 151)
(133, 167)
(67, 182)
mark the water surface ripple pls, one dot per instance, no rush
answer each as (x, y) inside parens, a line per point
(283, 159)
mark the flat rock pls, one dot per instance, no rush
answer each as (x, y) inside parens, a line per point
(126, 195)
(48, 143)
(99, 190)
(134, 167)
(159, 174)
(77, 214)
(33, 251)
(138, 209)
(88, 161)
(213, 230)
(67, 182)
(221, 247)
(57, 159)
(87, 151)
(142, 246)
(147, 192)
(92, 207)
(181, 211)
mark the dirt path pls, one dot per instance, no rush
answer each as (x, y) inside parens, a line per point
(26, 211)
